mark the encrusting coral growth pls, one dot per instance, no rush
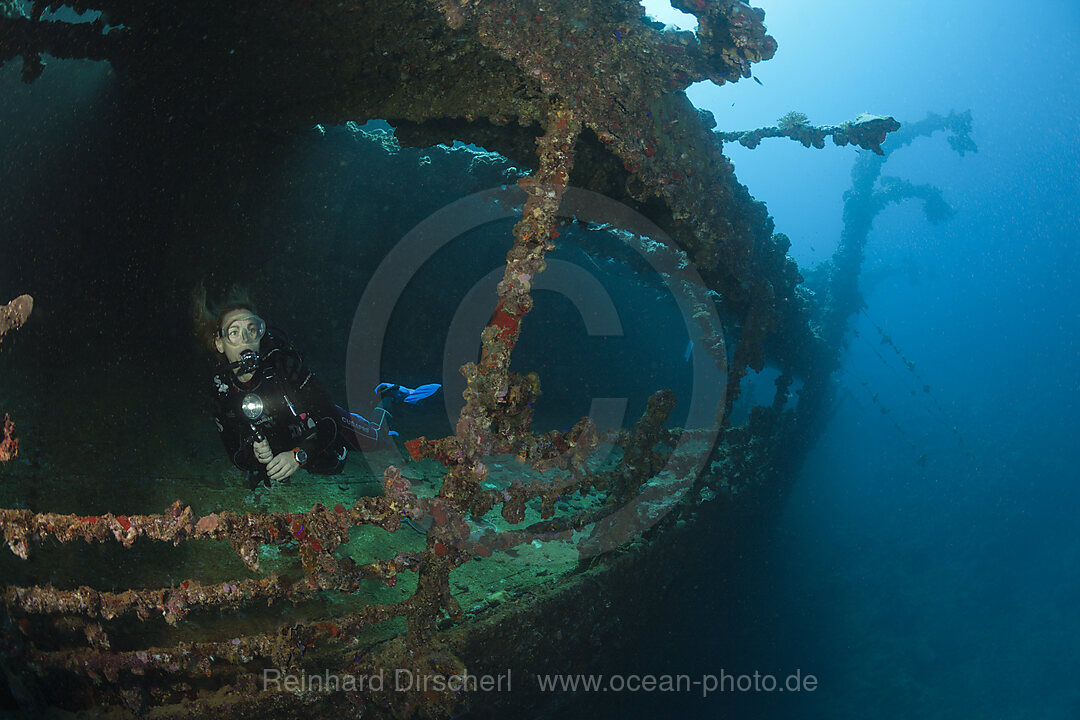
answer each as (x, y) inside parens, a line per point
(15, 313)
(12, 317)
(865, 131)
(9, 444)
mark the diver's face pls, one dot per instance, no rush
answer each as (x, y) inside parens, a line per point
(241, 330)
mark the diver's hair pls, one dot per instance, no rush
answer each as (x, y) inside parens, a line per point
(206, 319)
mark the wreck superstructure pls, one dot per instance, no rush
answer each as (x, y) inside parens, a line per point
(588, 97)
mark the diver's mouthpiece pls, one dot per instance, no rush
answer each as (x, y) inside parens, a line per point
(248, 362)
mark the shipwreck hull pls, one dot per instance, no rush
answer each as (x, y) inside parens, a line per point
(579, 99)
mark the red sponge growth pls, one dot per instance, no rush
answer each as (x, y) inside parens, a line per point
(413, 446)
(506, 322)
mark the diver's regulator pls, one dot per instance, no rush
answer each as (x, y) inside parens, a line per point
(247, 363)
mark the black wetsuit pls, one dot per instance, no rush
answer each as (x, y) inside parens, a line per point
(297, 413)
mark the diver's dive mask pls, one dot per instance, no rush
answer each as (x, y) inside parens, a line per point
(245, 330)
(248, 362)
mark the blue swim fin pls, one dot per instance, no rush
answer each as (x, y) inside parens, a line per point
(407, 395)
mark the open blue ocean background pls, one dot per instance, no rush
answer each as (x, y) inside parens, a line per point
(948, 587)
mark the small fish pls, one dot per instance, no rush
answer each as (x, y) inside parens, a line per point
(758, 81)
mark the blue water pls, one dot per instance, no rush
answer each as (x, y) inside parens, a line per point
(946, 589)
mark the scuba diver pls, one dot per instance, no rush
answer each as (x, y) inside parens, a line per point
(273, 414)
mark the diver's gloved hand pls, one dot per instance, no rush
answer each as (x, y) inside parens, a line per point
(282, 466)
(262, 451)
(406, 395)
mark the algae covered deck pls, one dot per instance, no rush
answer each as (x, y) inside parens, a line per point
(501, 595)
